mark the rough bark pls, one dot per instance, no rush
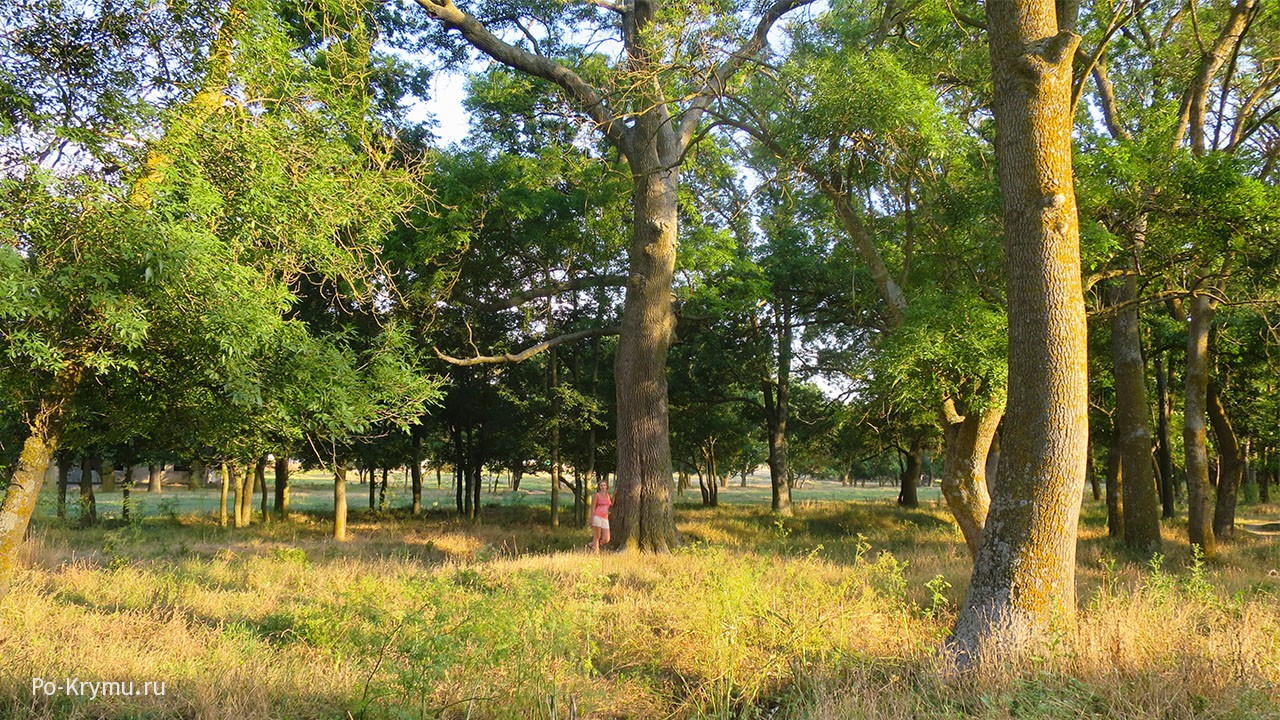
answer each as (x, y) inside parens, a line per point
(642, 516)
(1132, 424)
(1232, 466)
(967, 442)
(281, 505)
(155, 478)
(1194, 433)
(340, 502)
(1024, 575)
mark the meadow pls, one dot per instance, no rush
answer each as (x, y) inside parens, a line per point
(837, 612)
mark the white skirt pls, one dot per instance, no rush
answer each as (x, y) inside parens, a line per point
(597, 521)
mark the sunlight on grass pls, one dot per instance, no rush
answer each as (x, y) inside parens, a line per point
(835, 613)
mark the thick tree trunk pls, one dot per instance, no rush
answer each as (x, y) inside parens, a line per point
(642, 516)
(1194, 432)
(1024, 576)
(282, 486)
(155, 478)
(88, 503)
(911, 475)
(964, 478)
(1232, 463)
(195, 478)
(1132, 425)
(43, 436)
(415, 470)
(228, 471)
(340, 502)
(1164, 456)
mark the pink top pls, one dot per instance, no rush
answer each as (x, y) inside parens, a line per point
(602, 503)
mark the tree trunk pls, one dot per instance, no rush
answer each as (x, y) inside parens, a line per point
(260, 480)
(88, 503)
(1194, 433)
(1232, 463)
(964, 477)
(340, 502)
(244, 496)
(373, 488)
(155, 478)
(642, 517)
(415, 469)
(911, 475)
(382, 492)
(776, 411)
(1094, 485)
(1024, 576)
(107, 473)
(64, 475)
(43, 436)
(1115, 485)
(282, 486)
(1165, 454)
(226, 475)
(126, 489)
(1132, 424)
(196, 476)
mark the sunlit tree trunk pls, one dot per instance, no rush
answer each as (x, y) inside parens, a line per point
(1194, 432)
(1024, 575)
(44, 431)
(226, 476)
(155, 478)
(967, 441)
(339, 502)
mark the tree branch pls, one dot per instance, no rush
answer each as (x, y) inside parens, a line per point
(479, 37)
(533, 294)
(719, 79)
(530, 351)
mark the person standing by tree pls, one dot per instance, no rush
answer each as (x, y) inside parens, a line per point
(600, 515)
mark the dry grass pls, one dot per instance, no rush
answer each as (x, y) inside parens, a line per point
(836, 613)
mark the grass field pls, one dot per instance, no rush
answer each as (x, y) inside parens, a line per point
(835, 613)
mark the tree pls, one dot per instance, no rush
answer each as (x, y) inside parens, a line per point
(650, 108)
(272, 168)
(1024, 575)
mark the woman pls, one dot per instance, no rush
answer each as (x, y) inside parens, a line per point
(600, 515)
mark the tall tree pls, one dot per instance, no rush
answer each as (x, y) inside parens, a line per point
(1024, 576)
(650, 107)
